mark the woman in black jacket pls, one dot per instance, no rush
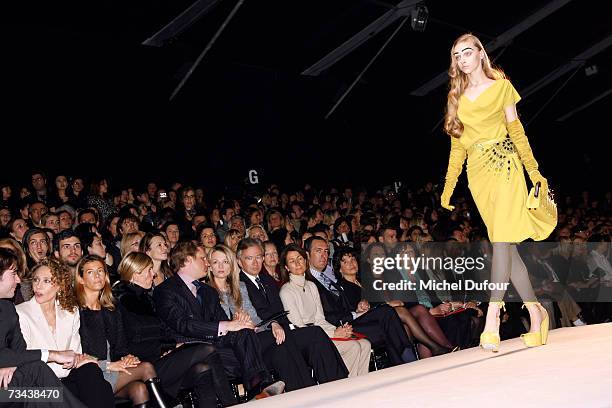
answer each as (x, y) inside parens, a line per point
(103, 337)
(184, 366)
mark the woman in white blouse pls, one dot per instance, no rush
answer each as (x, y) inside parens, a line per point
(50, 321)
(301, 298)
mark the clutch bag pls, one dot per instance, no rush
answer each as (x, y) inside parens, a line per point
(543, 210)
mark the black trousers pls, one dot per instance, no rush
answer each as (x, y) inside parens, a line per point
(196, 366)
(319, 352)
(38, 374)
(88, 384)
(242, 357)
(382, 326)
(286, 359)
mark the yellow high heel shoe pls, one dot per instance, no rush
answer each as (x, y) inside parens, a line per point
(535, 339)
(490, 340)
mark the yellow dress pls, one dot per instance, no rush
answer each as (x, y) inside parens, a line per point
(495, 172)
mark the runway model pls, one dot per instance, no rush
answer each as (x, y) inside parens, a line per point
(483, 125)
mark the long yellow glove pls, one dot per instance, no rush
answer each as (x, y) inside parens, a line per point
(456, 159)
(518, 137)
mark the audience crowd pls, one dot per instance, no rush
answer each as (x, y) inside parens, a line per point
(159, 294)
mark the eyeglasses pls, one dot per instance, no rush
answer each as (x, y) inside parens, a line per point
(250, 258)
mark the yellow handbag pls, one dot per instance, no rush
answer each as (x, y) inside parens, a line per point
(543, 211)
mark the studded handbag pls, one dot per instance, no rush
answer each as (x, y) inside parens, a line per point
(543, 210)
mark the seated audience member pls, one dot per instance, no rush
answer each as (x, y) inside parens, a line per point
(418, 322)
(205, 235)
(37, 246)
(103, 336)
(191, 309)
(232, 238)
(184, 366)
(381, 325)
(155, 245)
(284, 357)
(67, 248)
(24, 288)
(316, 347)
(301, 298)
(51, 320)
(271, 264)
(20, 367)
(130, 242)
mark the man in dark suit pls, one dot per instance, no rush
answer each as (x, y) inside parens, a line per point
(312, 342)
(20, 367)
(381, 325)
(191, 309)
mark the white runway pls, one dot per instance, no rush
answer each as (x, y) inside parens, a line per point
(573, 370)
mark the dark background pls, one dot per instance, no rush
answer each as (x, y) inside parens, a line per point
(81, 95)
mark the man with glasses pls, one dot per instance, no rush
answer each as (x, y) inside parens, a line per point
(39, 183)
(311, 342)
(37, 210)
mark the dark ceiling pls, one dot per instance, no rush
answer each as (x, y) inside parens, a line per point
(77, 75)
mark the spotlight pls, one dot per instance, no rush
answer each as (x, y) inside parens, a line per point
(418, 17)
(591, 70)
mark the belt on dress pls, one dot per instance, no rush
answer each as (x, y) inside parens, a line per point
(482, 144)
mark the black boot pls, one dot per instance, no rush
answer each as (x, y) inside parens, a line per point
(143, 405)
(155, 393)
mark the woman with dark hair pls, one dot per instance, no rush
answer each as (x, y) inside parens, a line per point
(205, 235)
(155, 245)
(5, 218)
(93, 244)
(180, 367)
(17, 228)
(59, 195)
(103, 336)
(78, 198)
(37, 246)
(7, 199)
(301, 298)
(173, 233)
(431, 340)
(343, 235)
(101, 199)
(50, 320)
(24, 291)
(185, 211)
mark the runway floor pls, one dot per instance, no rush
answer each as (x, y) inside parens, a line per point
(573, 370)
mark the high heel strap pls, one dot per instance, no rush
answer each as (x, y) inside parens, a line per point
(525, 304)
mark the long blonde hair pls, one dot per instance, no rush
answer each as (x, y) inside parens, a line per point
(459, 81)
(233, 279)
